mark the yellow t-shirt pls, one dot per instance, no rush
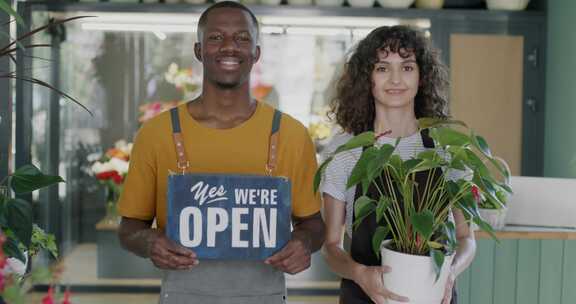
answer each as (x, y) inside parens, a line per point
(239, 150)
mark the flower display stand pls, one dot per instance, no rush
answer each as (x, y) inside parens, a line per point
(114, 262)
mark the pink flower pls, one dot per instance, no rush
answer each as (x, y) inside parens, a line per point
(49, 297)
(66, 299)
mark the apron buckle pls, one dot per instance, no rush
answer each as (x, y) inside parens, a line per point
(183, 165)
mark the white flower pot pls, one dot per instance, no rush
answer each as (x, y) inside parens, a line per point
(414, 276)
(495, 217)
(395, 3)
(299, 2)
(270, 2)
(361, 3)
(429, 4)
(508, 5)
(329, 2)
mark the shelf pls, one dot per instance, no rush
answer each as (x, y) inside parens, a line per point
(531, 233)
(285, 10)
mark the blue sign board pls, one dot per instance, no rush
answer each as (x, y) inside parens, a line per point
(238, 217)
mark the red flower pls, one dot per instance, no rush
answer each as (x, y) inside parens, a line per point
(117, 178)
(49, 297)
(476, 193)
(106, 174)
(113, 175)
(66, 299)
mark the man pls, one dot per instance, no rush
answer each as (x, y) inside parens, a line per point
(224, 131)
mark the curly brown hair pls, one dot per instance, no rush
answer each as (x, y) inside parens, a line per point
(353, 105)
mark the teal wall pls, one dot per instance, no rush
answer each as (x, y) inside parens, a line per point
(560, 150)
(520, 272)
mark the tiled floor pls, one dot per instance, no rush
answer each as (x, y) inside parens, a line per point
(317, 284)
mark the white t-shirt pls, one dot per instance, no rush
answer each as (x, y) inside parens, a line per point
(337, 172)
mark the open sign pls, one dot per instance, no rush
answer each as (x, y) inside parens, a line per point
(229, 216)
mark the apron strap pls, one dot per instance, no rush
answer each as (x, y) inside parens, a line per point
(182, 163)
(273, 145)
(427, 141)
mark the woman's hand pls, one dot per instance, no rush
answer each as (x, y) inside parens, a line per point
(370, 280)
(449, 286)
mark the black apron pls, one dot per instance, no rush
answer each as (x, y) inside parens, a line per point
(361, 247)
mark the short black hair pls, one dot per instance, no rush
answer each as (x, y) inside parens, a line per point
(226, 4)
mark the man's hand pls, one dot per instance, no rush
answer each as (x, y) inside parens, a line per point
(294, 257)
(166, 254)
(138, 237)
(370, 280)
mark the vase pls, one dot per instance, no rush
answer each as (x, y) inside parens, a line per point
(395, 3)
(507, 5)
(329, 2)
(429, 4)
(414, 276)
(361, 3)
(270, 2)
(111, 216)
(495, 217)
(300, 2)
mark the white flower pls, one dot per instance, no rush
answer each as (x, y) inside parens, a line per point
(99, 167)
(120, 144)
(119, 165)
(16, 266)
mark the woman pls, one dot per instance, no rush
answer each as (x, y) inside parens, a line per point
(393, 78)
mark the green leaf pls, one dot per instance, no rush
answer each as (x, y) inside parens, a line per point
(376, 164)
(29, 178)
(19, 216)
(429, 122)
(476, 164)
(381, 208)
(423, 223)
(438, 258)
(12, 250)
(359, 172)
(424, 166)
(482, 145)
(41, 275)
(360, 140)
(320, 173)
(363, 207)
(379, 235)
(43, 240)
(5, 6)
(486, 227)
(450, 232)
(449, 137)
(458, 158)
(435, 245)
(501, 167)
(411, 164)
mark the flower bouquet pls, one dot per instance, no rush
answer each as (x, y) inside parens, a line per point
(110, 170)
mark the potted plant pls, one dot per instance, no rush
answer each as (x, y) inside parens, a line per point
(20, 238)
(494, 211)
(415, 235)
